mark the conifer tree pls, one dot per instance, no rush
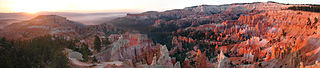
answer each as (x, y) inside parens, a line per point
(97, 43)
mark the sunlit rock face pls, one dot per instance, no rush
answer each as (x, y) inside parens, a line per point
(280, 37)
(127, 46)
(171, 20)
(138, 48)
(130, 46)
(257, 34)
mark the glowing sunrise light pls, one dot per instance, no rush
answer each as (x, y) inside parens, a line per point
(34, 6)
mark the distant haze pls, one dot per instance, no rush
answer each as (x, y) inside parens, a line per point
(88, 18)
(95, 19)
(84, 18)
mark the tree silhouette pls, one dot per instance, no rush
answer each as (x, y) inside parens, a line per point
(97, 43)
(42, 52)
(85, 52)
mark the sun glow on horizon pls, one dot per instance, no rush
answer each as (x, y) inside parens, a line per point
(34, 6)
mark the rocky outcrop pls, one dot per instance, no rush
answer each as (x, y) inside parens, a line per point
(40, 26)
(222, 61)
(138, 48)
(128, 46)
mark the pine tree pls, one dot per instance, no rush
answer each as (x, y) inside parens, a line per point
(3, 42)
(97, 43)
(107, 42)
(6, 44)
(85, 52)
(42, 52)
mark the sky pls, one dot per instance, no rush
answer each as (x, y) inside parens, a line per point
(33, 6)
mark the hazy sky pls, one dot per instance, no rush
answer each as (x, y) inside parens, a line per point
(33, 6)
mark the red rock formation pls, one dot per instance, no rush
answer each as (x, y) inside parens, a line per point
(201, 61)
(186, 64)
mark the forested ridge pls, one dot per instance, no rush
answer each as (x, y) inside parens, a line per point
(40, 52)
